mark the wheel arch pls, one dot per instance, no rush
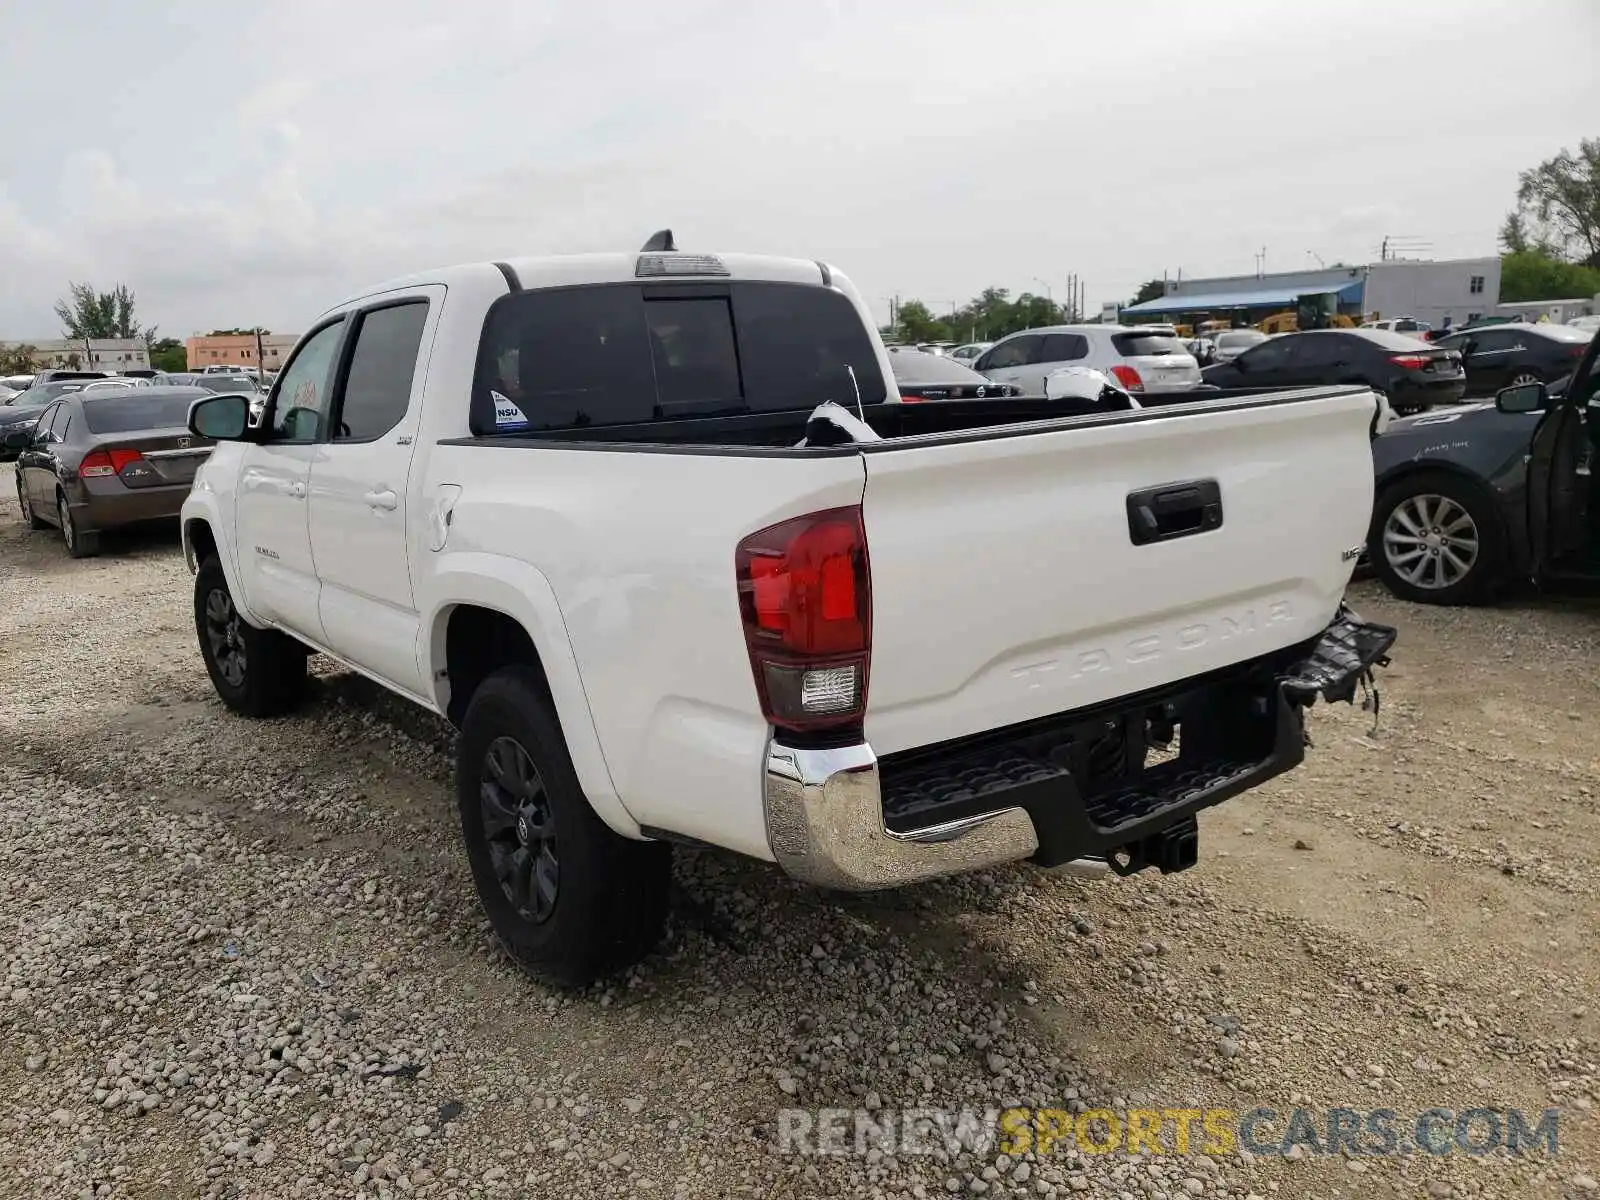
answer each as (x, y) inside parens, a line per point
(499, 612)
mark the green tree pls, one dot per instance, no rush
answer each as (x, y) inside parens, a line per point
(1151, 289)
(86, 313)
(917, 324)
(1562, 195)
(19, 360)
(1536, 274)
(168, 354)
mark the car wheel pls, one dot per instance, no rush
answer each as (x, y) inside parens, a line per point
(1437, 539)
(257, 672)
(80, 543)
(570, 900)
(29, 518)
(1522, 377)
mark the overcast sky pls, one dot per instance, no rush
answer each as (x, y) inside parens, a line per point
(240, 163)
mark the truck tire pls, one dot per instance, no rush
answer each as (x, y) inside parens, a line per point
(570, 900)
(257, 672)
(1465, 567)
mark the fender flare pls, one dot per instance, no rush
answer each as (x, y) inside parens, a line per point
(521, 591)
(200, 508)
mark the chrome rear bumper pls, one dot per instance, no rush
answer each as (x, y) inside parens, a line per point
(825, 826)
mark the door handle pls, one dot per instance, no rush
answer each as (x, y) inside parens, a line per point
(384, 499)
(297, 490)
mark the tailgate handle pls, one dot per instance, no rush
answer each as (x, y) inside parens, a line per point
(1174, 510)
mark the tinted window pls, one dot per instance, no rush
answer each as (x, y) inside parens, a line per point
(1015, 352)
(146, 408)
(47, 420)
(377, 389)
(1063, 347)
(1317, 349)
(795, 343)
(691, 348)
(300, 402)
(1271, 355)
(616, 354)
(911, 366)
(1487, 341)
(1133, 345)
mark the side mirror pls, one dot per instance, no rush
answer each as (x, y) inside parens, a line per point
(1522, 398)
(223, 418)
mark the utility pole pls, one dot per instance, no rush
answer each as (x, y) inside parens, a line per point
(261, 361)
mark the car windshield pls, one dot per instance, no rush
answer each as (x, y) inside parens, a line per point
(913, 366)
(141, 409)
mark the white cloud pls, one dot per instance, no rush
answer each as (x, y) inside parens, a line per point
(928, 148)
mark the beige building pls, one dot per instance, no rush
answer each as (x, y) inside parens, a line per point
(91, 354)
(238, 350)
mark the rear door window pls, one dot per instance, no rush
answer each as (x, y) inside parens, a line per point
(1272, 355)
(377, 388)
(1063, 347)
(1016, 352)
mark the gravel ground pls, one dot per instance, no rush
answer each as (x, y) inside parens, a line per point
(245, 959)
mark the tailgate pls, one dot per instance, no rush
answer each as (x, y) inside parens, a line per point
(1007, 583)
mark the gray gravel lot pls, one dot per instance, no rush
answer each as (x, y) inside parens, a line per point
(245, 959)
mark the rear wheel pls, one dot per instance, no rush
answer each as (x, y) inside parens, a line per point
(29, 518)
(80, 543)
(1436, 539)
(257, 672)
(569, 899)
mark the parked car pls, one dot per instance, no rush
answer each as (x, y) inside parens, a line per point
(1141, 359)
(1410, 375)
(641, 647)
(1589, 324)
(1406, 325)
(17, 412)
(1228, 344)
(1505, 355)
(96, 462)
(1490, 493)
(56, 374)
(18, 383)
(920, 376)
(965, 354)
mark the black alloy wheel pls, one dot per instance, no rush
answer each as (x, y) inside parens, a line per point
(520, 829)
(224, 637)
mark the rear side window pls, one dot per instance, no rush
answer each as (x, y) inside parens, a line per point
(622, 354)
(1063, 347)
(127, 411)
(1142, 345)
(377, 390)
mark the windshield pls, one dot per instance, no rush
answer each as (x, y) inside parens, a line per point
(141, 409)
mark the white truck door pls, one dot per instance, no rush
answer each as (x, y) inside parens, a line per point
(358, 502)
(280, 580)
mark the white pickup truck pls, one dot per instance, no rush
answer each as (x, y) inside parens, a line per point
(599, 513)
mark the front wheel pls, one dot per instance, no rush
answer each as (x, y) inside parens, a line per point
(569, 900)
(257, 672)
(1436, 539)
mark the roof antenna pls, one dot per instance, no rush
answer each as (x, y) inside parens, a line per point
(660, 241)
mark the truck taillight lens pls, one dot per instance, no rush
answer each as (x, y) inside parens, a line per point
(106, 462)
(1128, 377)
(805, 596)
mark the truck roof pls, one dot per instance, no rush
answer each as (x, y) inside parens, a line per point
(567, 270)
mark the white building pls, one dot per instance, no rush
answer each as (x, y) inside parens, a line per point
(85, 354)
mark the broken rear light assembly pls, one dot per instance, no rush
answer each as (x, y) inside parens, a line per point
(805, 598)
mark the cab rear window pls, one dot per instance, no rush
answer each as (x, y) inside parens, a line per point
(618, 354)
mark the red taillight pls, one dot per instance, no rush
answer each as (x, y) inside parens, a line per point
(1577, 351)
(106, 462)
(805, 596)
(910, 398)
(1411, 362)
(1128, 378)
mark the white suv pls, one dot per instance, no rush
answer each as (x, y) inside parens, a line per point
(1137, 357)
